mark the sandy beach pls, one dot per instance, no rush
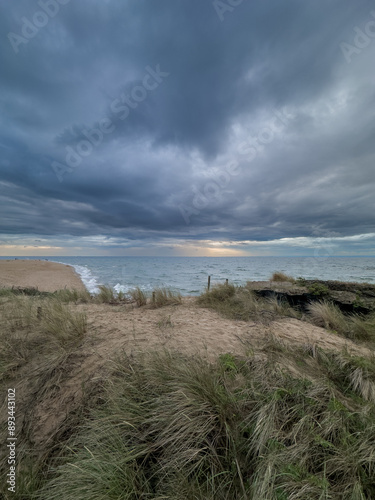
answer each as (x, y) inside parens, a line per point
(44, 275)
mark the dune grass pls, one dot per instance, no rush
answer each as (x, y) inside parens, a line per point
(76, 296)
(105, 295)
(328, 315)
(38, 333)
(241, 303)
(353, 326)
(138, 296)
(48, 319)
(282, 277)
(162, 297)
(179, 428)
(276, 423)
(31, 328)
(362, 328)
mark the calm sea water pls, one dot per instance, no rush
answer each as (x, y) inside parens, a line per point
(188, 275)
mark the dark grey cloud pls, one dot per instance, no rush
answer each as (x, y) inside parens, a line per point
(171, 95)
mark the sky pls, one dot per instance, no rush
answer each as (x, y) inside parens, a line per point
(187, 127)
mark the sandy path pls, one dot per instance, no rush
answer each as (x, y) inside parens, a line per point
(191, 329)
(46, 276)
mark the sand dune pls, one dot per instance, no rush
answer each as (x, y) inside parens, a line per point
(128, 329)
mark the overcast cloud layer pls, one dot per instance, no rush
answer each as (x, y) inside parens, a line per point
(180, 127)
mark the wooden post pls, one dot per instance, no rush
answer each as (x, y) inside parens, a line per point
(209, 283)
(226, 281)
(39, 313)
(153, 297)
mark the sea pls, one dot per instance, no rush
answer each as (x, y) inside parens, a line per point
(189, 275)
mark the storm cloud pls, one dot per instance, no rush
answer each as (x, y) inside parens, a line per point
(173, 126)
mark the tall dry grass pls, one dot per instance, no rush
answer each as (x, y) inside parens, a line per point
(241, 303)
(76, 296)
(27, 324)
(105, 295)
(355, 327)
(282, 277)
(139, 296)
(164, 297)
(327, 315)
(170, 426)
(38, 333)
(242, 428)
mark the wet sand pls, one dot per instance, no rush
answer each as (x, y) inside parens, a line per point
(44, 275)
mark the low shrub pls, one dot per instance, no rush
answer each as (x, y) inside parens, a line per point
(300, 281)
(318, 290)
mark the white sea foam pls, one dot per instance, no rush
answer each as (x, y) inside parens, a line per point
(122, 288)
(87, 278)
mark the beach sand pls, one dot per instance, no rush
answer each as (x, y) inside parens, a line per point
(44, 275)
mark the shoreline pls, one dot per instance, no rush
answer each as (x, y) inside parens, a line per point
(189, 279)
(44, 275)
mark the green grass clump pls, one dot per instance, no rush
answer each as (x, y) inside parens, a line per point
(301, 281)
(164, 297)
(180, 428)
(318, 290)
(279, 276)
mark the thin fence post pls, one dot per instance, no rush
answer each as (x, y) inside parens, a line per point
(226, 281)
(153, 297)
(209, 282)
(39, 313)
